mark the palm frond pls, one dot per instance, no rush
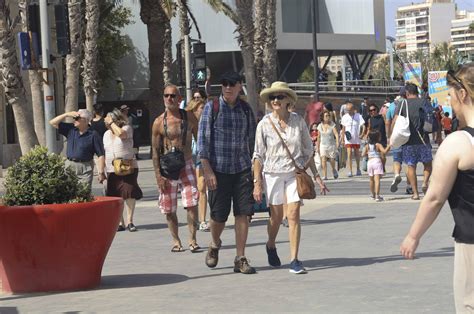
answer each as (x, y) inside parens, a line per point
(188, 9)
(220, 6)
(169, 7)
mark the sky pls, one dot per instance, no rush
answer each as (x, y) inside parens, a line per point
(392, 5)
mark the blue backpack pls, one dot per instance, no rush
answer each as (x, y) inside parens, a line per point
(428, 117)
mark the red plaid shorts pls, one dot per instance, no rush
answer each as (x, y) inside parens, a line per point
(168, 201)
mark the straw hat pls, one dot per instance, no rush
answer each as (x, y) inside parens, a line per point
(278, 87)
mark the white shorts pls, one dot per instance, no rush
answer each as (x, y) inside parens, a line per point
(280, 188)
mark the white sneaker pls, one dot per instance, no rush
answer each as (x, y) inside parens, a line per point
(379, 198)
(203, 226)
(395, 182)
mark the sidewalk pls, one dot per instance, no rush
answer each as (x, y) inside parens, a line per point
(349, 245)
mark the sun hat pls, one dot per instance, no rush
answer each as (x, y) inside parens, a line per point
(278, 87)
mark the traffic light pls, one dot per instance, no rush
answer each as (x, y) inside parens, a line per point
(61, 15)
(199, 62)
(180, 64)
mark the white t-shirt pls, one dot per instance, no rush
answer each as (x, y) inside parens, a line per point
(352, 124)
(115, 147)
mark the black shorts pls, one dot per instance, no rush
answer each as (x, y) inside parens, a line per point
(232, 188)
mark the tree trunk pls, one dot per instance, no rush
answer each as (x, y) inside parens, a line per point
(270, 61)
(13, 83)
(73, 60)
(184, 30)
(246, 37)
(259, 39)
(34, 78)
(168, 54)
(89, 73)
(154, 17)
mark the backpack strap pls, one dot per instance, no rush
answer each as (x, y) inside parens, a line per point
(184, 126)
(215, 109)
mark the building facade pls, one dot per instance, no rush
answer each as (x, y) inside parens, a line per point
(424, 25)
(462, 35)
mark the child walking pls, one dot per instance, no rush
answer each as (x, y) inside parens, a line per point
(375, 152)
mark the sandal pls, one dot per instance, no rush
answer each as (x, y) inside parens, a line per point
(177, 248)
(194, 248)
(417, 198)
(424, 189)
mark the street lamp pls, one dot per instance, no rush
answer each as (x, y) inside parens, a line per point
(391, 39)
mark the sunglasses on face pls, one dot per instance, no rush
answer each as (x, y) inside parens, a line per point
(279, 97)
(373, 109)
(451, 74)
(170, 95)
(77, 118)
(228, 84)
(197, 97)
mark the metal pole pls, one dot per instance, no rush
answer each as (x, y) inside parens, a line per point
(187, 65)
(391, 61)
(314, 14)
(48, 80)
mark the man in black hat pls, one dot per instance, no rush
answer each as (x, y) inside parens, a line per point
(225, 146)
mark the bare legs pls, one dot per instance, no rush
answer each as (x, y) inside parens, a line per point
(241, 232)
(201, 185)
(357, 158)
(172, 220)
(294, 230)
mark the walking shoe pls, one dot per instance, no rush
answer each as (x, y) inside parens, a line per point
(358, 173)
(204, 226)
(325, 178)
(395, 182)
(121, 228)
(296, 267)
(284, 222)
(241, 265)
(335, 174)
(409, 190)
(212, 256)
(349, 175)
(379, 198)
(273, 258)
(131, 227)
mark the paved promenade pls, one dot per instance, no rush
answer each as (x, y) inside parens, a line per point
(350, 247)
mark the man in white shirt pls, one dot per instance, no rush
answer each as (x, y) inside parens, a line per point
(352, 126)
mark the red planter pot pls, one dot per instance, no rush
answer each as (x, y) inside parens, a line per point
(56, 247)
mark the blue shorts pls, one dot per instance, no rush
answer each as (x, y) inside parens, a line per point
(397, 155)
(414, 154)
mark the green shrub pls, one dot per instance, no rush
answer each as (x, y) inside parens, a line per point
(40, 177)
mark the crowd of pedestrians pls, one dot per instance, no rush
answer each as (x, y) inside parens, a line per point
(216, 152)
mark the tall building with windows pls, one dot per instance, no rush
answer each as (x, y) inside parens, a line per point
(462, 36)
(423, 25)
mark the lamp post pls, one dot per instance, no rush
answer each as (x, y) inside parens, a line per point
(391, 39)
(314, 15)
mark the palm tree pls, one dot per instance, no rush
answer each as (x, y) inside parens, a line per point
(12, 82)
(154, 17)
(73, 60)
(269, 49)
(89, 63)
(259, 39)
(34, 77)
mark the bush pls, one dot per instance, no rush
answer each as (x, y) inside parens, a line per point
(40, 177)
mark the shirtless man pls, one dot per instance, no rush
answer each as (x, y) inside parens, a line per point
(168, 138)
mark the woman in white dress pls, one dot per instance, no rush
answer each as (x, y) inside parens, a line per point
(328, 141)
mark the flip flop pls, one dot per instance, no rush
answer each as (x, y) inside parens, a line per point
(177, 248)
(415, 198)
(194, 248)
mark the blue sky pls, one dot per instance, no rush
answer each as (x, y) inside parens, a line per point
(392, 5)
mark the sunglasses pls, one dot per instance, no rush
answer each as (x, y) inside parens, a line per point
(373, 109)
(452, 75)
(228, 84)
(77, 118)
(279, 97)
(170, 95)
(197, 97)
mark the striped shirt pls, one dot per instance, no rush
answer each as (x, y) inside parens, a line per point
(228, 142)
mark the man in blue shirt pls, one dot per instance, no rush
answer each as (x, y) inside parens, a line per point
(82, 144)
(226, 141)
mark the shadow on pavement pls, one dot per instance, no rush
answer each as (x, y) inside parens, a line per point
(8, 310)
(228, 247)
(327, 263)
(329, 221)
(139, 280)
(157, 226)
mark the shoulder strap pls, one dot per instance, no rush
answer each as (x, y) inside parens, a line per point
(215, 109)
(286, 147)
(184, 125)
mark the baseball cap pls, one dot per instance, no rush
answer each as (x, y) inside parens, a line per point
(231, 76)
(124, 107)
(86, 114)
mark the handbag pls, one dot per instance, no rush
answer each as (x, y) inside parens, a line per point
(173, 161)
(304, 183)
(123, 167)
(401, 129)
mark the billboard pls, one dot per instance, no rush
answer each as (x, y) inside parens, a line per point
(412, 73)
(438, 88)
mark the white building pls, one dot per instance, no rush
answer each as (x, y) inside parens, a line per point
(423, 25)
(462, 38)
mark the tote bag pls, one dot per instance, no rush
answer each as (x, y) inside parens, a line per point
(401, 129)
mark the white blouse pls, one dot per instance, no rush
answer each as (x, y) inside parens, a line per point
(270, 151)
(115, 147)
